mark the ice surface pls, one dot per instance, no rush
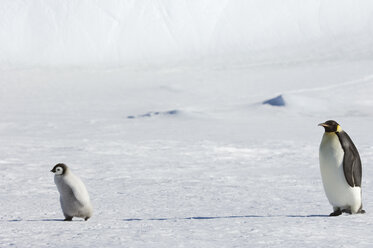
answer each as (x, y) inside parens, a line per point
(203, 163)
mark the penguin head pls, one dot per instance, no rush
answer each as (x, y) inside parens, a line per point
(59, 169)
(331, 126)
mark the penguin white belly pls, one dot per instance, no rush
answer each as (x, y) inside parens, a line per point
(339, 193)
(74, 197)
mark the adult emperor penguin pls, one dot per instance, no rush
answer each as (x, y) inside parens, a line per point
(340, 167)
(74, 197)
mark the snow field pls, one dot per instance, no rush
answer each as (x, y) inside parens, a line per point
(225, 171)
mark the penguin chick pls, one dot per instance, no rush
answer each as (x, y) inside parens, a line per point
(341, 172)
(74, 197)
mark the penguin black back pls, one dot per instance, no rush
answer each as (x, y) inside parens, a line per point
(351, 160)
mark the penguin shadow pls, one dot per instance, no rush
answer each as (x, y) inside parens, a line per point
(308, 216)
(227, 217)
(44, 220)
(48, 220)
(63, 220)
(187, 218)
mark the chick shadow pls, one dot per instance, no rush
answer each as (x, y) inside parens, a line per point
(46, 220)
(41, 220)
(63, 220)
(50, 220)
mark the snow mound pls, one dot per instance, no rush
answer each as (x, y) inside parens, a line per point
(303, 103)
(335, 100)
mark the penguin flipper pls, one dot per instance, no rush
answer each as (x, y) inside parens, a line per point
(351, 160)
(73, 196)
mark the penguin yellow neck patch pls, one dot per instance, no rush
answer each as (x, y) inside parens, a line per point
(339, 129)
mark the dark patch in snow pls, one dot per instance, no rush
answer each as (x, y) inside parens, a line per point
(132, 219)
(277, 101)
(160, 219)
(173, 112)
(155, 113)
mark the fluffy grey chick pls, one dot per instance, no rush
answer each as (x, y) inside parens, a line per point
(74, 196)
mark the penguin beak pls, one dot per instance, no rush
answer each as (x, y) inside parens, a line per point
(323, 125)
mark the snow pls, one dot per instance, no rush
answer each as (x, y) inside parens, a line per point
(170, 135)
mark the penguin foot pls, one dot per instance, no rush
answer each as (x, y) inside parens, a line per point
(86, 218)
(362, 211)
(336, 213)
(69, 218)
(348, 211)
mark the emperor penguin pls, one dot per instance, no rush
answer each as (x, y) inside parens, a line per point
(74, 196)
(341, 172)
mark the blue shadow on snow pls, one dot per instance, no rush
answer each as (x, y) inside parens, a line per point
(277, 101)
(228, 217)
